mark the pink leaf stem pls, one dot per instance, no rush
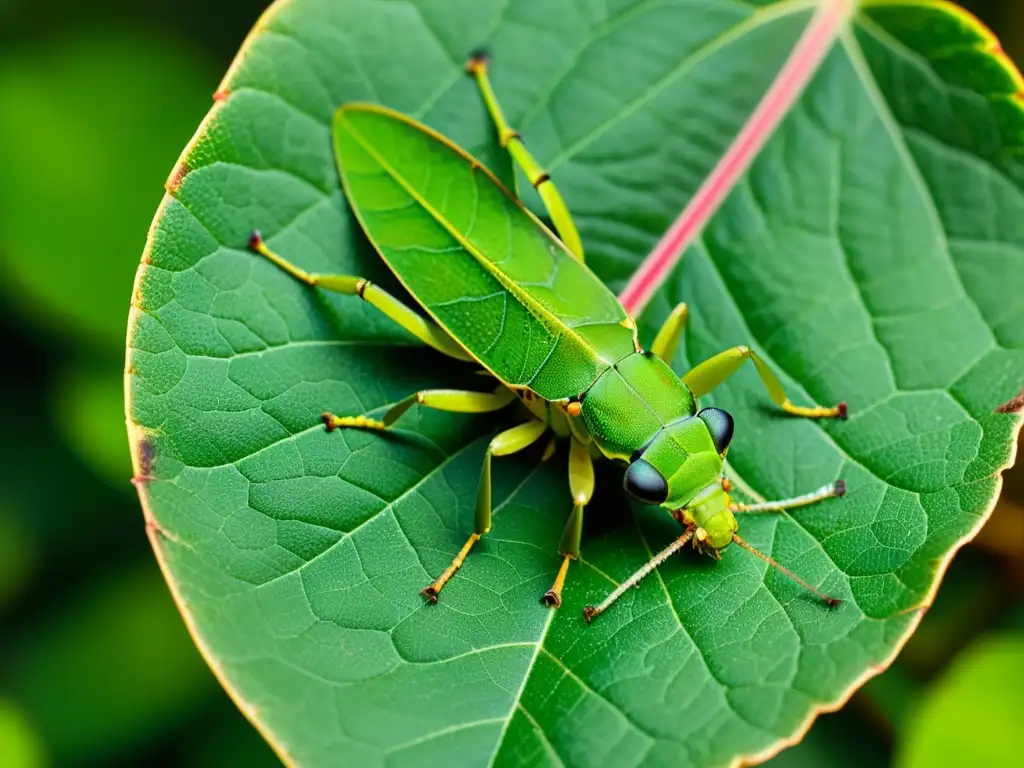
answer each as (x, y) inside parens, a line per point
(817, 38)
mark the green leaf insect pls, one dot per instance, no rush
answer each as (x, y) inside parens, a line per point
(505, 292)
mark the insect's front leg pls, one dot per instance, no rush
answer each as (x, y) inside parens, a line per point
(832, 490)
(510, 441)
(593, 610)
(581, 485)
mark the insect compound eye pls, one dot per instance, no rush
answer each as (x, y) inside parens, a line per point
(645, 483)
(720, 426)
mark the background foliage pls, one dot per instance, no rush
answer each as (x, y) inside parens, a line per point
(97, 667)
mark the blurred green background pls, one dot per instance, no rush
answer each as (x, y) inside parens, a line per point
(96, 667)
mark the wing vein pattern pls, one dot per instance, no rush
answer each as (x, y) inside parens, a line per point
(477, 261)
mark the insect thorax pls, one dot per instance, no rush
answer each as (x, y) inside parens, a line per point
(710, 512)
(631, 402)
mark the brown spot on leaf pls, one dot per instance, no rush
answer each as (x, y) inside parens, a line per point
(156, 532)
(1016, 405)
(173, 183)
(146, 454)
(221, 94)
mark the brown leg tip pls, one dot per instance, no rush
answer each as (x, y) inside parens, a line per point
(327, 419)
(589, 613)
(255, 241)
(477, 60)
(842, 411)
(430, 593)
(833, 601)
(551, 599)
(839, 488)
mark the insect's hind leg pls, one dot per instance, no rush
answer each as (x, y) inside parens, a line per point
(453, 400)
(581, 485)
(507, 442)
(535, 173)
(424, 330)
(713, 371)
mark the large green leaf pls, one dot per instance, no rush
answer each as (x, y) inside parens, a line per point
(872, 254)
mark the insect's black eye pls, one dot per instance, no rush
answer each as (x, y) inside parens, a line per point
(719, 425)
(645, 483)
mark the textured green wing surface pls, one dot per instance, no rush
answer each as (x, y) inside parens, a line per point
(474, 258)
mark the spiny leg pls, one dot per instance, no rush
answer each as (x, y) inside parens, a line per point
(535, 173)
(593, 610)
(426, 331)
(454, 400)
(713, 371)
(510, 441)
(581, 485)
(832, 490)
(667, 341)
(827, 599)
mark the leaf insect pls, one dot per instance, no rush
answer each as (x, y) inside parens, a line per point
(502, 290)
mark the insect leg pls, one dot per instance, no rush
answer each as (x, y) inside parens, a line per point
(504, 443)
(424, 330)
(535, 173)
(550, 448)
(593, 610)
(455, 400)
(832, 490)
(667, 341)
(581, 485)
(713, 371)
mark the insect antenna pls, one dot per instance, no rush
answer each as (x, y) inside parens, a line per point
(591, 611)
(831, 601)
